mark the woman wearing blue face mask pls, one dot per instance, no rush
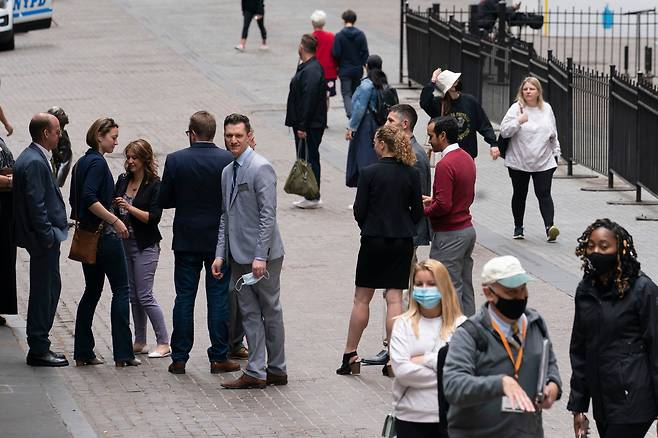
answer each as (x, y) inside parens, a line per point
(614, 341)
(418, 334)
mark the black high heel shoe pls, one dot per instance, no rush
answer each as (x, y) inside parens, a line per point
(128, 363)
(350, 366)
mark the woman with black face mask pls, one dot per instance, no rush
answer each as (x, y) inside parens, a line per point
(614, 340)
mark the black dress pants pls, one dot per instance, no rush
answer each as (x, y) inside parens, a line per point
(248, 16)
(45, 287)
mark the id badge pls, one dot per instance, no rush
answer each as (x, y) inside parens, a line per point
(507, 406)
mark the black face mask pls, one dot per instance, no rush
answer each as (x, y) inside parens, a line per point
(602, 263)
(512, 309)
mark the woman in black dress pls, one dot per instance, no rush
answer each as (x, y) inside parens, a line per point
(387, 208)
(614, 341)
(8, 305)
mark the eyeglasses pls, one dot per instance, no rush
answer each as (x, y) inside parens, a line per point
(187, 133)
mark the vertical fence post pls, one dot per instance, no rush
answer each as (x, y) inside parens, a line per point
(610, 114)
(638, 188)
(570, 102)
(403, 10)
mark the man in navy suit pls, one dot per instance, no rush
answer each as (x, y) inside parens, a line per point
(40, 225)
(191, 183)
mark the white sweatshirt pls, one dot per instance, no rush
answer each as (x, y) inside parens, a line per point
(533, 145)
(420, 401)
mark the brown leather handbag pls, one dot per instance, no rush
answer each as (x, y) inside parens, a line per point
(85, 245)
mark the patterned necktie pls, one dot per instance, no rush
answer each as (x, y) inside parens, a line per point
(516, 340)
(235, 175)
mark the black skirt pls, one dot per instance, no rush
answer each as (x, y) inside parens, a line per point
(384, 262)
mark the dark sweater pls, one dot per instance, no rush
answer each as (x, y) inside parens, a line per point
(91, 182)
(469, 114)
(350, 51)
(253, 6)
(453, 192)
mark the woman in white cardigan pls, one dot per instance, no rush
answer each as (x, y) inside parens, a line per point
(418, 334)
(532, 153)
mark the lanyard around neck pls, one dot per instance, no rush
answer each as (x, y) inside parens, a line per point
(519, 358)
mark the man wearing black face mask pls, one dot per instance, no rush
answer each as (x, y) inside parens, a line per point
(491, 372)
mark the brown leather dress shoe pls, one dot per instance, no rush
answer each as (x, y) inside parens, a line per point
(176, 368)
(239, 353)
(225, 366)
(245, 382)
(277, 379)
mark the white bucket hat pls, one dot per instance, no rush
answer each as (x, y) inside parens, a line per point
(446, 80)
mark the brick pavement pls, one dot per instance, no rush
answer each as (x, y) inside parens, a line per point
(151, 69)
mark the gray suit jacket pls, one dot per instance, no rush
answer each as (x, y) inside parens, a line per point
(423, 235)
(248, 224)
(39, 211)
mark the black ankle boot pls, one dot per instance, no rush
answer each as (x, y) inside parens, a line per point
(349, 366)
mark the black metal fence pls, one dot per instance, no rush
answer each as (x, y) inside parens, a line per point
(604, 122)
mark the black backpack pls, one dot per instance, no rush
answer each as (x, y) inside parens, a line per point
(476, 331)
(387, 96)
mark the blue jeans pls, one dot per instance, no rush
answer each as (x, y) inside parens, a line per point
(187, 269)
(110, 262)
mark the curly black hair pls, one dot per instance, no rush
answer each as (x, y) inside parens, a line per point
(627, 269)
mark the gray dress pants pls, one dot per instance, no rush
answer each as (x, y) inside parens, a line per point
(454, 249)
(262, 318)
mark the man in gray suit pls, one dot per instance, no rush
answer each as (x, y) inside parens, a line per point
(249, 240)
(40, 225)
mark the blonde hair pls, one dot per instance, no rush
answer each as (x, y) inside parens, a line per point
(450, 307)
(535, 83)
(397, 143)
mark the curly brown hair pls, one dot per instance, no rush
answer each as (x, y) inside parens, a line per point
(397, 143)
(627, 268)
(143, 152)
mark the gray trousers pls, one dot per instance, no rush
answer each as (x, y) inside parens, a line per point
(141, 273)
(454, 249)
(262, 318)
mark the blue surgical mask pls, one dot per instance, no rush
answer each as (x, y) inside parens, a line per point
(427, 297)
(249, 279)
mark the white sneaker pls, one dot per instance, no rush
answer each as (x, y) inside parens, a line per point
(308, 204)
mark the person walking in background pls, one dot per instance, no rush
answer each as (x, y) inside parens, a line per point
(40, 226)
(350, 51)
(249, 240)
(614, 340)
(362, 124)
(323, 51)
(306, 111)
(465, 108)
(387, 208)
(62, 155)
(253, 9)
(8, 298)
(532, 153)
(136, 204)
(448, 209)
(418, 334)
(191, 183)
(492, 388)
(91, 199)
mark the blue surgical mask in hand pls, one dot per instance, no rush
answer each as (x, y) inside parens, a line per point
(427, 297)
(249, 279)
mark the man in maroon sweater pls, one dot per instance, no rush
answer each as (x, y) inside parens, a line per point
(448, 208)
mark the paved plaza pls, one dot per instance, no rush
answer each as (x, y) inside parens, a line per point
(150, 64)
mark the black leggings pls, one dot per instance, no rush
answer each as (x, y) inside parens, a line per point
(410, 429)
(248, 16)
(542, 183)
(635, 430)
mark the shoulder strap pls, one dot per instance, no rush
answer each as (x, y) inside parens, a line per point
(475, 332)
(542, 327)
